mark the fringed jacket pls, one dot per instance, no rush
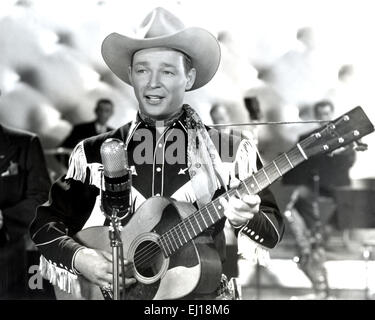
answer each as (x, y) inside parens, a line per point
(75, 199)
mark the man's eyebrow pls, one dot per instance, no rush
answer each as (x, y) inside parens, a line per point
(145, 63)
(141, 63)
(168, 65)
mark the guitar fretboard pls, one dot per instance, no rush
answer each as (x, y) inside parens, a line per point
(211, 213)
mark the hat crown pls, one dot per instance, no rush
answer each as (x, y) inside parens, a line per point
(158, 23)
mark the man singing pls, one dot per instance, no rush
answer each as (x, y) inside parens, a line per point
(171, 153)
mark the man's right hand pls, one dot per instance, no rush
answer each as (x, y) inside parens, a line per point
(96, 266)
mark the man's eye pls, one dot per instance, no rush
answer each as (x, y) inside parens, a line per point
(141, 71)
(168, 72)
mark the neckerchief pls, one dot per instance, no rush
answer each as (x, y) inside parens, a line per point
(204, 163)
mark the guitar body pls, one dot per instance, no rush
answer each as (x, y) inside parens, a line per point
(194, 267)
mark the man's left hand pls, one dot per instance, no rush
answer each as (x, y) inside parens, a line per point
(240, 211)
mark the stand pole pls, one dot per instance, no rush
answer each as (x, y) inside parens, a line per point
(115, 245)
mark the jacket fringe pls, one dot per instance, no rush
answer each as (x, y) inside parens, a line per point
(63, 279)
(245, 161)
(77, 164)
(78, 168)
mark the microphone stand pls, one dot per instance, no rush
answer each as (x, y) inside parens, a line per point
(116, 245)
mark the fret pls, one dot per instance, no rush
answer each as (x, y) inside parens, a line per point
(226, 194)
(192, 226)
(204, 220)
(174, 240)
(217, 212)
(195, 216)
(187, 229)
(210, 213)
(238, 193)
(265, 173)
(288, 160)
(161, 242)
(301, 150)
(277, 168)
(175, 229)
(170, 242)
(248, 191)
(170, 251)
(182, 233)
(256, 181)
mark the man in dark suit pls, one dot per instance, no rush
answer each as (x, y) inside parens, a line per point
(24, 184)
(103, 111)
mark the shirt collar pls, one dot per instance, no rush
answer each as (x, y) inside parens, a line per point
(179, 119)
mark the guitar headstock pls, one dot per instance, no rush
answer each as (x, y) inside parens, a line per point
(347, 128)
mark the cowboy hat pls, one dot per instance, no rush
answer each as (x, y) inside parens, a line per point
(162, 29)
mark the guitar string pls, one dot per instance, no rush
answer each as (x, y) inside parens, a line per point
(156, 249)
(174, 231)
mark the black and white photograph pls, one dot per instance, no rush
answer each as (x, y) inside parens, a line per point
(186, 150)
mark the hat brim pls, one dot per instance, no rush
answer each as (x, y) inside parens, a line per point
(200, 45)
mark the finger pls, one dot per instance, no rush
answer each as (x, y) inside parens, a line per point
(252, 200)
(107, 278)
(234, 218)
(234, 182)
(235, 215)
(239, 204)
(224, 202)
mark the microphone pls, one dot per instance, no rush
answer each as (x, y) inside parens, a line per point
(117, 178)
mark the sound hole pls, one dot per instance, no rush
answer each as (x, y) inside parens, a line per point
(148, 258)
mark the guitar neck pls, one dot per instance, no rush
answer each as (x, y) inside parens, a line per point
(211, 213)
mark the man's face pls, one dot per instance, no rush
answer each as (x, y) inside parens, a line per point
(324, 113)
(104, 112)
(160, 80)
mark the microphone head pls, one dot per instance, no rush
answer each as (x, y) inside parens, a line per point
(114, 158)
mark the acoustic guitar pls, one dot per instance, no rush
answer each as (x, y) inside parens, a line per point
(163, 240)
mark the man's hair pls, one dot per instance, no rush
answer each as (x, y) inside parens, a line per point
(102, 101)
(188, 63)
(321, 104)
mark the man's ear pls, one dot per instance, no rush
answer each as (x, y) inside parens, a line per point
(191, 75)
(130, 75)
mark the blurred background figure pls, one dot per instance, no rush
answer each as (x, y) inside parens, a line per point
(103, 112)
(24, 184)
(222, 113)
(311, 209)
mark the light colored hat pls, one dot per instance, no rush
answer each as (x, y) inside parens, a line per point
(162, 29)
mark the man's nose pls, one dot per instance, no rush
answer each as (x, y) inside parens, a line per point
(154, 81)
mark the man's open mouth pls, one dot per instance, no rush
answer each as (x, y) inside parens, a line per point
(154, 99)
